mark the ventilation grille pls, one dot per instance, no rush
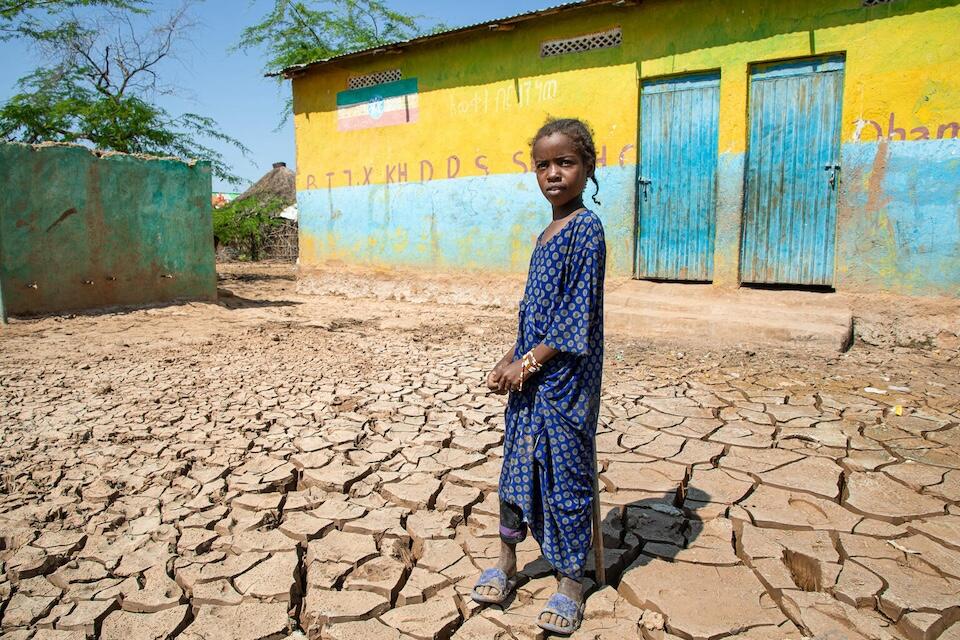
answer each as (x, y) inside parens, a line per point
(874, 3)
(602, 40)
(371, 79)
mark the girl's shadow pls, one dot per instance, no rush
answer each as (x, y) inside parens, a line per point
(637, 533)
(659, 526)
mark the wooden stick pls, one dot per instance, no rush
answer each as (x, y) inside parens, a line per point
(601, 572)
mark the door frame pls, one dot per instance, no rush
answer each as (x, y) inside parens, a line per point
(638, 197)
(827, 56)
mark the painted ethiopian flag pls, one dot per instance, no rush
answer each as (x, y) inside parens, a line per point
(381, 105)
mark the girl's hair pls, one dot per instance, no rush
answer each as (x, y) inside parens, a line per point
(582, 137)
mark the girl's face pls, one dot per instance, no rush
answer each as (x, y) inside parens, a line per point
(561, 172)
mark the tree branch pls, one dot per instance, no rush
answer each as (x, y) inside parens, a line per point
(303, 23)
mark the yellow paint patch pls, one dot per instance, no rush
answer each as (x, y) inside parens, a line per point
(465, 131)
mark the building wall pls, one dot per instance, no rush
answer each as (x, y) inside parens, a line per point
(452, 188)
(78, 231)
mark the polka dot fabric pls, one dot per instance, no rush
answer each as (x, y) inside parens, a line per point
(551, 424)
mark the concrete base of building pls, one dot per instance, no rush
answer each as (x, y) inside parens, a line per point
(669, 312)
(496, 290)
(747, 317)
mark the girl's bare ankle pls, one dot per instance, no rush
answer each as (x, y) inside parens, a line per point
(508, 559)
(570, 588)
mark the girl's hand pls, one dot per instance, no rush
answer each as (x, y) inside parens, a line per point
(493, 379)
(510, 378)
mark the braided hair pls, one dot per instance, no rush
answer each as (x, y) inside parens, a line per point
(582, 137)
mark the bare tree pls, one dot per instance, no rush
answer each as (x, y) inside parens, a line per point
(100, 85)
(28, 18)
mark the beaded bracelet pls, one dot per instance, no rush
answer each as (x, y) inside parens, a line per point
(528, 364)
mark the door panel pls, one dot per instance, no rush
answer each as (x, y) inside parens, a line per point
(792, 175)
(678, 165)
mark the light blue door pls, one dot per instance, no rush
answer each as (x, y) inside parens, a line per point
(678, 185)
(790, 203)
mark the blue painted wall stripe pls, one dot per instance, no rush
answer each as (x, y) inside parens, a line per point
(907, 238)
(487, 222)
(894, 241)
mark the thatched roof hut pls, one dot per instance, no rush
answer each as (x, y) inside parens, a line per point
(275, 194)
(278, 182)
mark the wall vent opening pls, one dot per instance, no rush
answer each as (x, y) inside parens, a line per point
(588, 42)
(373, 79)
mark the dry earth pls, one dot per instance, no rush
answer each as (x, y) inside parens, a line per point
(278, 464)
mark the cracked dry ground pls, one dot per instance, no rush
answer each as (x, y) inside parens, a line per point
(280, 465)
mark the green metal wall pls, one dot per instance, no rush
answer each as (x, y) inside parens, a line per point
(80, 231)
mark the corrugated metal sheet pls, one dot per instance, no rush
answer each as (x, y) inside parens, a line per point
(678, 185)
(792, 174)
(488, 24)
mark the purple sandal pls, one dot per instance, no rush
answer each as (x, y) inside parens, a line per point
(565, 607)
(498, 580)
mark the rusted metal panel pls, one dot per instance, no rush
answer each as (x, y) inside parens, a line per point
(792, 174)
(678, 177)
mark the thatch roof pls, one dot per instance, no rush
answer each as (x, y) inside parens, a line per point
(278, 182)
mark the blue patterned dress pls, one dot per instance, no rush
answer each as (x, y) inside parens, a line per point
(551, 424)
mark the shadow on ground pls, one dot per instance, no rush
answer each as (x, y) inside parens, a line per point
(229, 300)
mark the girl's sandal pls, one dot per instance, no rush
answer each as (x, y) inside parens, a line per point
(569, 610)
(497, 579)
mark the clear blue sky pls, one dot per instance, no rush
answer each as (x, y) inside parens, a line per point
(230, 87)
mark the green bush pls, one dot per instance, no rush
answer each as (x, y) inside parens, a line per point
(242, 224)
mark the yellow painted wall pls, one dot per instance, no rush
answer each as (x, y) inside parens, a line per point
(486, 127)
(482, 96)
(486, 94)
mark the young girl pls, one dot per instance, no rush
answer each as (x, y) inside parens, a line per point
(553, 373)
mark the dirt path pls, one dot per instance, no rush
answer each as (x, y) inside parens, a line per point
(279, 463)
